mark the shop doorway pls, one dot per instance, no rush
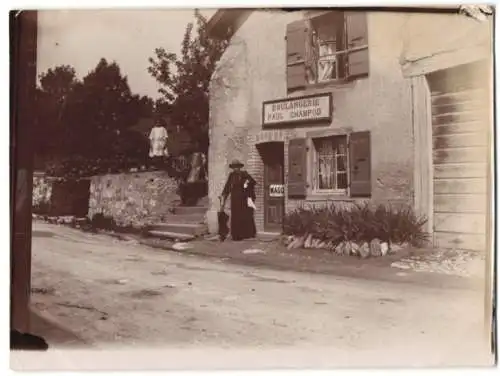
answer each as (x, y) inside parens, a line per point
(274, 189)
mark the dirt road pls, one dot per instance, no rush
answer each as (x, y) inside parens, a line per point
(117, 294)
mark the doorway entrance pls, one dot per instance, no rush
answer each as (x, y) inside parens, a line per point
(274, 189)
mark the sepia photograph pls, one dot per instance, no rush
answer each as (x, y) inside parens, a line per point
(252, 188)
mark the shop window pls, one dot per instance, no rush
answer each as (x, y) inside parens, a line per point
(339, 165)
(331, 47)
(330, 164)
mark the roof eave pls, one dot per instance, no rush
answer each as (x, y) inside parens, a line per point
(224, 19)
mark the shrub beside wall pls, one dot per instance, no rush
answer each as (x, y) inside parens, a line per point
(60, 197)
(191, 192)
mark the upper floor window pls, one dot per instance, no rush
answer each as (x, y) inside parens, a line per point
(332, 46)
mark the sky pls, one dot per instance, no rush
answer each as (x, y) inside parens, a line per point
(80, 38)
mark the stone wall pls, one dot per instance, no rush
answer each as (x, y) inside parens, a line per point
(130, 198)
(133, 198)
(252, 70)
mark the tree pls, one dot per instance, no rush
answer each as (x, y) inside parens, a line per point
(101, 111)
(51, 96)
(58, 82)
(86, 123)
(185, 81)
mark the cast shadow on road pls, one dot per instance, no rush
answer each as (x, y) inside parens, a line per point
(42, 234)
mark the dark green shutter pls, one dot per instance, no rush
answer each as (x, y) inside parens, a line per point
(297, 168)
(358, 61)
(360, 164)
(296, 39)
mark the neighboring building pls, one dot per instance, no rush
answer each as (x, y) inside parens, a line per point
(448, 59)
(333, 106)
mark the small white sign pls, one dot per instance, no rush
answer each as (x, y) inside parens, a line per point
(276, 190)
(292, 110)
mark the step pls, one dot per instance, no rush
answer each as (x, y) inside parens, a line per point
(203, 201)
(171, 235)
(193, 218)
(184, 228)
(190, 210)
(268, 236)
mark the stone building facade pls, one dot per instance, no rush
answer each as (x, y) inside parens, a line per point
(368, 113)
(342, 106)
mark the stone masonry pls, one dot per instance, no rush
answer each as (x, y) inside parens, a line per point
(136, 199)
(133, 198)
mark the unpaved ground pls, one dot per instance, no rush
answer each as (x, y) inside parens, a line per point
(113, 294)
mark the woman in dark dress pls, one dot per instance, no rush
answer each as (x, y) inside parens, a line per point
(241, 186)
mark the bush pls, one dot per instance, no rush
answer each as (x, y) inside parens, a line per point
(178, 167)
(78, 166)
(190, 193)
(99, 221)
(41, 208)
(103, 222)
(360, 223)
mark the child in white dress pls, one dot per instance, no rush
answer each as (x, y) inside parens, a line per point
(158, 144)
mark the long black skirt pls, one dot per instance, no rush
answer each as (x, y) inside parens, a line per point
(242, 223)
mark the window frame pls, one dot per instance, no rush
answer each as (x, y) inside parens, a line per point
(314, 170)
(334, 56)
(322, 194)
(310, 16)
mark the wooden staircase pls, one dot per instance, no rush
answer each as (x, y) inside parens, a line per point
(184, 223)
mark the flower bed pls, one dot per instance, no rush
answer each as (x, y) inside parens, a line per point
(363, 230)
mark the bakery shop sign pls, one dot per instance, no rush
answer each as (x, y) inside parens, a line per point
(309, 109)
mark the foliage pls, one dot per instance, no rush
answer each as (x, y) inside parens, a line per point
(178, 168)
(191, 192)
(185, 80)
(360, 223)
(89, 119)
(76, 167)
(41, 208)
(100, 221)
(51, 97)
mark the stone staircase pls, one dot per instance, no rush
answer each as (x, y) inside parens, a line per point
(184, 223)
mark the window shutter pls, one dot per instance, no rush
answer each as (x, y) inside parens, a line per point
(312, 55)
(357, 36)
(360, 164)
(297, 167)
(296, 39)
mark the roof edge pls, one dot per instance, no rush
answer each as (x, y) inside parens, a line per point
(226, 19)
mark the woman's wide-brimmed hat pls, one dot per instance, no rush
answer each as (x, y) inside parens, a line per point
(236, 163)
